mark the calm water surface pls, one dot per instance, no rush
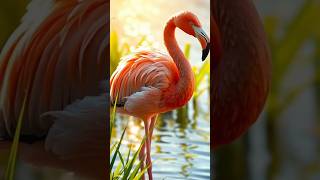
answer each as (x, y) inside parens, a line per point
(180, 147)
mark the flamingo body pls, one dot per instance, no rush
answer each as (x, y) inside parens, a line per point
(145, 82)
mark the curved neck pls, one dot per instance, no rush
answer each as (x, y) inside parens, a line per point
(184, 88)
(183, 65)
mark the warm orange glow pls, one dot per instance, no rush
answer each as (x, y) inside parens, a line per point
(134, 132)
(128, 18)
(135, 19)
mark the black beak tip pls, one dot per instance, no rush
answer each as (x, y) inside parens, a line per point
(205, 52)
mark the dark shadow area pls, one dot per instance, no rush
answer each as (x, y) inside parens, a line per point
(284, 142)
(53, 89)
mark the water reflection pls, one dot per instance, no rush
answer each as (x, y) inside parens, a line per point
(180, 147)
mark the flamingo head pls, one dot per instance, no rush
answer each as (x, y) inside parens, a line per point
(190, 24)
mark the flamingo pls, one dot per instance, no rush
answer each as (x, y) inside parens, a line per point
(241, 66)
(147, 83)
(57, 59)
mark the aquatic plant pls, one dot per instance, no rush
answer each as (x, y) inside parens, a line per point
(117, 50)
(129, 167)
(11, 167)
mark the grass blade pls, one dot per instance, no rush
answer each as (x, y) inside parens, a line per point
(187, 48)
(112, 147)
(121, 159)
(113, 115)
(203, 71)
(138, 177)
(128, 156)
(135, 171)
(130, 165)
(10, 171)
(117, 173)
(118, 147)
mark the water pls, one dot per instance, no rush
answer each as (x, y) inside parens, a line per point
(180, 145)
(180, 148)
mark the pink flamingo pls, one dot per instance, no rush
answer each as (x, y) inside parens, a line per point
(148, 83)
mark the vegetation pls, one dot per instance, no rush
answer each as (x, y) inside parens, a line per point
(118, 50)
(8, 23)
(285, 51)
(127, 168)
(11, 167)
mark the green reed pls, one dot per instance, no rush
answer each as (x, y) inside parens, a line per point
(11, 167)
(128, 167)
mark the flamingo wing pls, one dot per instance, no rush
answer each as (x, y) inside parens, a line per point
(79, 129)
(53, 59)
(140, 80)
(78, 135)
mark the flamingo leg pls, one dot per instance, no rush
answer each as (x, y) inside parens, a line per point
(149, 139)
(151, 127)
(148, 160)
(142, 159)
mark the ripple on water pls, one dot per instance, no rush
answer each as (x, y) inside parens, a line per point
(178, 153)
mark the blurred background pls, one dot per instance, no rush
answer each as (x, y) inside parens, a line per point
(285, 142)
(11, 12)
(181, 140)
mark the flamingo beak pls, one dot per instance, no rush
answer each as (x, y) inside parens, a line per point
(204, 41)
